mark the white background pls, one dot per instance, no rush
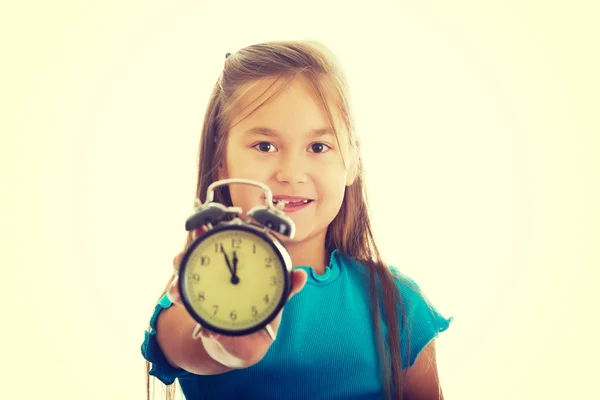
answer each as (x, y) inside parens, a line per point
(479, 125)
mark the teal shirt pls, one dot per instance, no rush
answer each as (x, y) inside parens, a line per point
(326, 346)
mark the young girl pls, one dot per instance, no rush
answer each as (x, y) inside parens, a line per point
(354, 327)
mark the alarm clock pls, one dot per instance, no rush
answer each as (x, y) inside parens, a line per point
(235, 277)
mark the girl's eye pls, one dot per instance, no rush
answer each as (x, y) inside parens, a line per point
(319, 147)
(265, 147)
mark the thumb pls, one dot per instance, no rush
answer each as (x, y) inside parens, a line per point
(173, 291)
(299, 278)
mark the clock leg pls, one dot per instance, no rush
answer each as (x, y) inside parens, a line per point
(197, 331)
(270, 332)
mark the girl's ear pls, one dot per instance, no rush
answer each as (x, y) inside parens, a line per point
(355, 161)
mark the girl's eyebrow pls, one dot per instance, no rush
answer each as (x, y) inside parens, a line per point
(259, 130)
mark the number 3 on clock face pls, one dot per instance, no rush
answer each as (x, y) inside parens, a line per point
(235, 279)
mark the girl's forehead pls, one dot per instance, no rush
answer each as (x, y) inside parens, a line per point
(268, 102)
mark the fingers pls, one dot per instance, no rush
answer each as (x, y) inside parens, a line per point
(178, 257)
(299, 278)
(173, 290)
(197, 232)
(177, 261)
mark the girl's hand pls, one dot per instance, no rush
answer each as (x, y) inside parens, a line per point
(235, 351)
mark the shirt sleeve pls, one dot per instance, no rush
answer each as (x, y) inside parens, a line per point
(423, 321)
(161, 369)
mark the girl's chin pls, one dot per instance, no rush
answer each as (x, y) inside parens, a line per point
(298, 238)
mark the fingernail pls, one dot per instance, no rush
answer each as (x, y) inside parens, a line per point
(175, 280)
(170, 297)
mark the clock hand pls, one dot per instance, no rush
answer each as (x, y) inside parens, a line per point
(235, 261)
(227, 260)
(234, 279)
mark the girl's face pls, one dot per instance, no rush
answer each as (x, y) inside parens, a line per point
(286, 144)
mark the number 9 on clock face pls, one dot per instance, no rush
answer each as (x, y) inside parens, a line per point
(235, 279)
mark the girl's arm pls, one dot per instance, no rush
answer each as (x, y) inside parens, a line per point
(422, 380)
(174, 336)
(211, 354)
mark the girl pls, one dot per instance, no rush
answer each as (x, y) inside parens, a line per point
(353, 328)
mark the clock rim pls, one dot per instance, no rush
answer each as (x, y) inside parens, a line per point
(280, 252)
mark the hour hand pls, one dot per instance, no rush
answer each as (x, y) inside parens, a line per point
(234, 279)
(235, 261)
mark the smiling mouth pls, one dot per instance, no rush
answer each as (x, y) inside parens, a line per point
(290, 203)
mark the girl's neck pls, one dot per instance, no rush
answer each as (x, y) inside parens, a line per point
(309, 252)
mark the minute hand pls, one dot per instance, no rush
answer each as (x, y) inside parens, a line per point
(227, 261)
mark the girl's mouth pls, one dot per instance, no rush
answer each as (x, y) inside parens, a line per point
(291, 203)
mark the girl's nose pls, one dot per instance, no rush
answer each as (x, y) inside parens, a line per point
(291, 170)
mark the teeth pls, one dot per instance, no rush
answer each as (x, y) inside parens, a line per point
(286, 202)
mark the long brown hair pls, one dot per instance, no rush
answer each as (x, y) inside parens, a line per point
(350, 232)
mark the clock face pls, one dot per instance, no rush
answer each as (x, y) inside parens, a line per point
(234, 280)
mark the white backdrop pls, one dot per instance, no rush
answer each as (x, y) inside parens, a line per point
(480, 134)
